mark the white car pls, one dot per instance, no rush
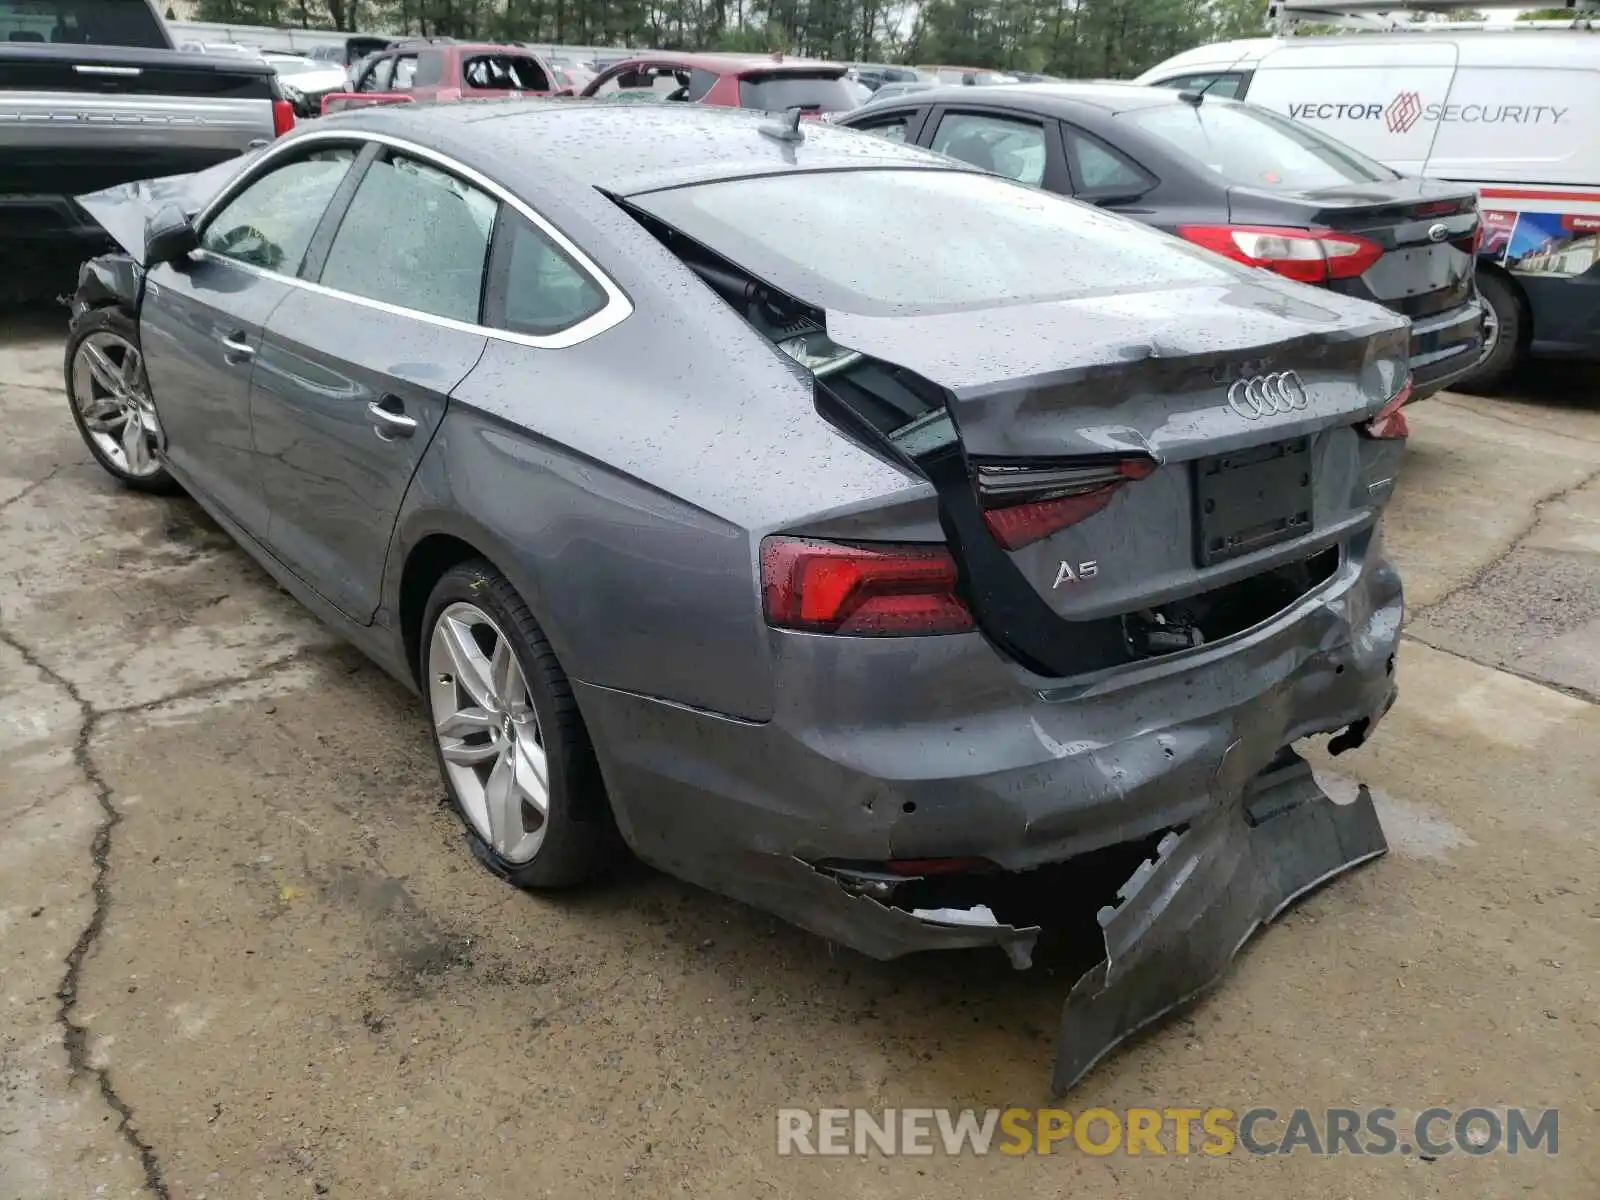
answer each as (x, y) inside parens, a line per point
(305, 81)
(1511, 110)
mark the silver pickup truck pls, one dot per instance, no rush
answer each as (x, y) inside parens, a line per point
(93, 94)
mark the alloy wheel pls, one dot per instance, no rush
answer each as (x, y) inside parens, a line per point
(488, 732)
(109, 389)
(1491, 331)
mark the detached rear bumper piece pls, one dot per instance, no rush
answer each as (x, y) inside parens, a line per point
(1185, 914)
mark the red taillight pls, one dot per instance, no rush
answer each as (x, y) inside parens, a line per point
(1306, 255)
(1391, 419)
(862, 591)
(1024, 504)
(282, 117)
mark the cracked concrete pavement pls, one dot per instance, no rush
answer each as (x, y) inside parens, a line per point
(246, 954)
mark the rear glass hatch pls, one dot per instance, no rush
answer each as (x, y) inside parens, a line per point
(1405, 242)
(1062, 376)
(824, 90)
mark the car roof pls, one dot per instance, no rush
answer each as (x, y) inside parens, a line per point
(733, 64)
(626, 149)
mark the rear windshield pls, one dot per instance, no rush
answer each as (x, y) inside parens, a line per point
(905, 242)
(81, 23)
(1253, 146)
(827, 93)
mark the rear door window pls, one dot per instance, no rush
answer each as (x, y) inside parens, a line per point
(1248, 145)
(906, 242)
(895, 128)
(430, 69)
(270, 223)
(774, 93)
(376, 76)
(700, 82)
(504, 73)
(1098, 170)
(404, 76)
(416, 237)
(81, 23)
(1007, 146)
(648, 83)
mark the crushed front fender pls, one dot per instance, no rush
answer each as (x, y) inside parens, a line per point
(1182, 916)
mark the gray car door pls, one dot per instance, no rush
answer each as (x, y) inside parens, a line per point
(201, 323)
(356, 366)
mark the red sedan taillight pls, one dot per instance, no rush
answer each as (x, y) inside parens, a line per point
(860, 590)
(282, 117)
(1305, 255)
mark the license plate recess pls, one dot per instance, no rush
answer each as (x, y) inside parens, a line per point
(1250, 499)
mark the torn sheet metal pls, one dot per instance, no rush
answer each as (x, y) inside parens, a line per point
(124, 211)
(1183, 915)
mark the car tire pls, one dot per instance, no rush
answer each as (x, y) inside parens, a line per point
(106, 389)
(497, 722)
(1503, 355)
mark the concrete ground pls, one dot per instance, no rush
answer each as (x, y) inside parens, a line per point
(246, 953)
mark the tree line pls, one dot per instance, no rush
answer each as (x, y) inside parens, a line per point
(1072, 38)
(1075, 39)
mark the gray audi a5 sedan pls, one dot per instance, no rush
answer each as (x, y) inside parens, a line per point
(878, 541)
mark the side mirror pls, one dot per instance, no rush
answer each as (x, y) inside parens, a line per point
(168, 236)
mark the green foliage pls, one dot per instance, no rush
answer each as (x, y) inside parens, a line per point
(1070, 38)
(1104, 39)
(1547, 14)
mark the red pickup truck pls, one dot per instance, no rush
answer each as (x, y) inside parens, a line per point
(445, 70)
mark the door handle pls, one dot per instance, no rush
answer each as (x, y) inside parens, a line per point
(388, 422)
(236, 350)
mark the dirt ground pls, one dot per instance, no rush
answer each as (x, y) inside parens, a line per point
(246, 953)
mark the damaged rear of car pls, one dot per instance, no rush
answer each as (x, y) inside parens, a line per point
(932, 561)
(1148, 563)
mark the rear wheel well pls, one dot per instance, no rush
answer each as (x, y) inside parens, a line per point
(428, 561)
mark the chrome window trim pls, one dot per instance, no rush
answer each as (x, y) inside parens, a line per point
(616, 309)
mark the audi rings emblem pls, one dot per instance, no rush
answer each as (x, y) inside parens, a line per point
(1272, 395)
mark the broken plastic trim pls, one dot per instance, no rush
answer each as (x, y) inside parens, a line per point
(1184, 914)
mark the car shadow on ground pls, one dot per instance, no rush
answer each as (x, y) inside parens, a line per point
(1556, 384)
(45, 319)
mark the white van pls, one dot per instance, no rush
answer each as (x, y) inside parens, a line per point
(1515, 112)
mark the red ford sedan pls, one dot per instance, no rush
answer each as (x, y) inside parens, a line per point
(772, 82)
